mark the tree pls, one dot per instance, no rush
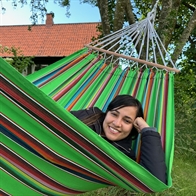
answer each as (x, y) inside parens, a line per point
(18, 61)
(175, 21)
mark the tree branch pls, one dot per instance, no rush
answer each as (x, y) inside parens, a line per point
(129, 12)
(103, 9)
(167, 20)
(184, 36)
(119, 14)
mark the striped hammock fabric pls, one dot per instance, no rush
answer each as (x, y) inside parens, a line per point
(45, 150)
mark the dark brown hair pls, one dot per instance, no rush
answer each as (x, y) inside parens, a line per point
(118, 102)
(121, 101)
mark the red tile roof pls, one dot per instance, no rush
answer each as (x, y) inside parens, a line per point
(48, 40)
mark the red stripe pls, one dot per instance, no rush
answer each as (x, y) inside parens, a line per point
(102, 87)
(150, 83)
(68, 87)
(92, 80)
(46, 153)
(64, 69)
(137, 84)
(34, 173)
(62, 127)
(3, 193)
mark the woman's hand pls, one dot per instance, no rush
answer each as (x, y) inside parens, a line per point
(140, 123)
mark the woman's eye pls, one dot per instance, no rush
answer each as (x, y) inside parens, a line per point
(127, 121)
(114, 114)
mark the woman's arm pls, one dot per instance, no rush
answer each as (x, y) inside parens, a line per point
(152, 155)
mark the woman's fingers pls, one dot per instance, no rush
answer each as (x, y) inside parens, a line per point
(140, 123)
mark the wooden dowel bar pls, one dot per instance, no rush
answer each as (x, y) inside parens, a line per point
(134, 59)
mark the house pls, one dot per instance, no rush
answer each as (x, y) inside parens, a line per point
(48, 43)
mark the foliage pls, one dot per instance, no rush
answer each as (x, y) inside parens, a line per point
(185, 105)
(189, 50)
(17, 60)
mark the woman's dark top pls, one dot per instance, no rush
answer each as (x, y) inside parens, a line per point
(152, 156)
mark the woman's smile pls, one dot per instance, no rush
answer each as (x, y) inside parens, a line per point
(118, 123)
(114, 131)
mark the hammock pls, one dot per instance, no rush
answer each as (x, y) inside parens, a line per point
(47, 151)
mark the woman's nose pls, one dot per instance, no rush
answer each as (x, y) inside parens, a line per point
(117, 122)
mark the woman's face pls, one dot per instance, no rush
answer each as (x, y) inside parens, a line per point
(118, 123)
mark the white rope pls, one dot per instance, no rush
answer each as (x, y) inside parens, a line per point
(136, 41)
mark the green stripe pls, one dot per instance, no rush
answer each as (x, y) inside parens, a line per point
(129, 83)
(46, 137)
(142, 86)
(90, 93)
(65, 78)
(151, 115)
(47, 70)
(170, 126)
(73, 91)
(102, 100)
(59, 175)
(14, 187)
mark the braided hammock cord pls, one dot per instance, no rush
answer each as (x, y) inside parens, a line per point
(136, 45)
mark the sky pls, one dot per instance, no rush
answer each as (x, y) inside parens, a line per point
(21, 16)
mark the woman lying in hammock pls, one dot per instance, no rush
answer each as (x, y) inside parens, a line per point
(121, 124)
